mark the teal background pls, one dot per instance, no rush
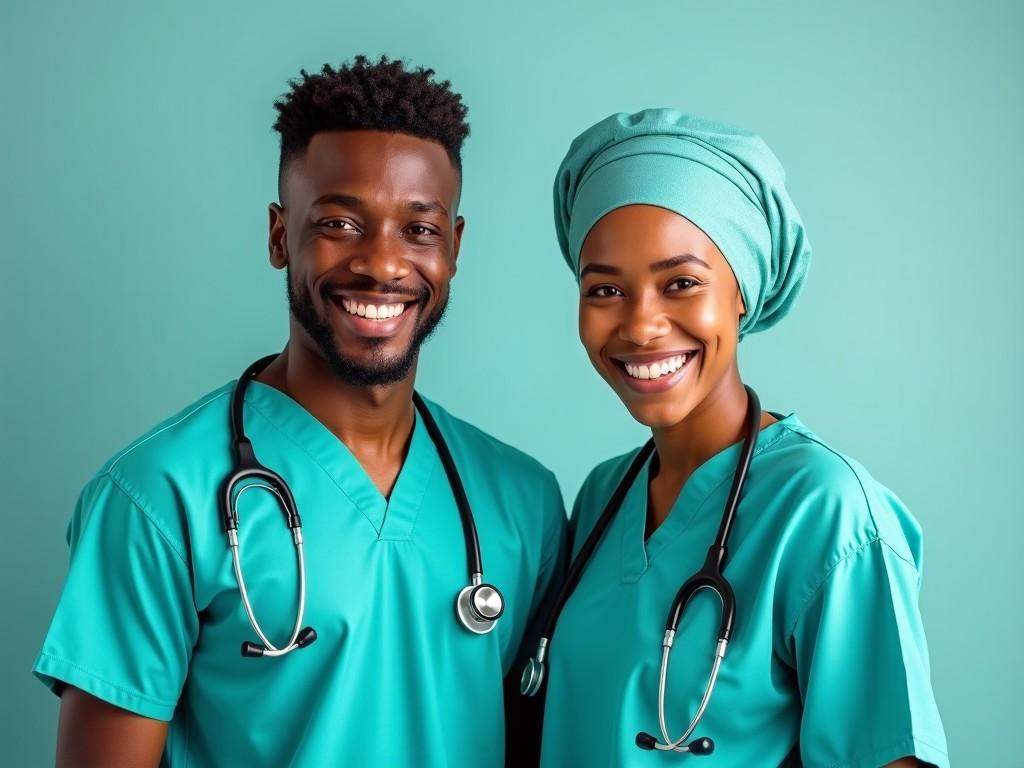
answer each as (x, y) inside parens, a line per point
(138, 160)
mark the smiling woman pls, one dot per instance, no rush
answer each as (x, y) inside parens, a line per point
(684, 239)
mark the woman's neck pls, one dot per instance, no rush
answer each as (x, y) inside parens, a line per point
(711, 427)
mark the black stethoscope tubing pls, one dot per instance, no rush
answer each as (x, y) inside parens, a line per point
(478, 606)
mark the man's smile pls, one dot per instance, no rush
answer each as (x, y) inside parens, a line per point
(373, 315)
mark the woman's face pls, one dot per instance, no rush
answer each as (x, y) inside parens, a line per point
(659, 311)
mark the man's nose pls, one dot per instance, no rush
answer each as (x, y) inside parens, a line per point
(382, 259)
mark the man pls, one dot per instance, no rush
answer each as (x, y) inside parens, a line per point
(144, 646)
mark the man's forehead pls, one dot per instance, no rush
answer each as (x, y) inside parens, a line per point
(386, 163)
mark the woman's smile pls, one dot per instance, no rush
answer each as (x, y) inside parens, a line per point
(654, 372)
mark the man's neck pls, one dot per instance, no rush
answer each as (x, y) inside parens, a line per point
(375, 423)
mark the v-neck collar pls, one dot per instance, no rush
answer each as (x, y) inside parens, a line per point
(393, 519)
(637, 553)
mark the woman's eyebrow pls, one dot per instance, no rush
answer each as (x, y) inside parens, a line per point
(600, 269)
(675, 261)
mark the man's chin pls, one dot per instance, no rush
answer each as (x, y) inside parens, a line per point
(372, 371)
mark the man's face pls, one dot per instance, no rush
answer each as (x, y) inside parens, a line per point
(368, 233)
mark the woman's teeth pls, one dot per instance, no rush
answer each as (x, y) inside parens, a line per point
(372, 311)
(657, 369)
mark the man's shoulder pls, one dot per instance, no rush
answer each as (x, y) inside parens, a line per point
(192, 436)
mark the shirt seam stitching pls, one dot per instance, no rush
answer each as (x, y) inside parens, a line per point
(909, 737)
(137, 444)
(119, 483)
(828, 574)
(74, 665)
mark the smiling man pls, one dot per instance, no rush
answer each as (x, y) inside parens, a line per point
(371, 635)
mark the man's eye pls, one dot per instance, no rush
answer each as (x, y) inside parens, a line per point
(604, 292)
(339, 224)
(418, 230)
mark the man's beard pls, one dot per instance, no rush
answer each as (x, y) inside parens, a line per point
(378, 369)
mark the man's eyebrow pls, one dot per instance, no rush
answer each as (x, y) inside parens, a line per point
(675, 261)
(600, 269)
(426, 206)
(349, 201)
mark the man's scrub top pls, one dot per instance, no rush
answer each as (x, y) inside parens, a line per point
(827, 666)
(150, 618)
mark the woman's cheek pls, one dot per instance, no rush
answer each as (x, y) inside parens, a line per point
(594, 337)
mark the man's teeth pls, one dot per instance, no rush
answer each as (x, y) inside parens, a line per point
(656, 370)
(372, 311)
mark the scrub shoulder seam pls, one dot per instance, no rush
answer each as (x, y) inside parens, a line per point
(832, 568)
(121, 484)
(853, 470)
(216, 395)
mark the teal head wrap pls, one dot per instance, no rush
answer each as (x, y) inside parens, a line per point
(726, 181)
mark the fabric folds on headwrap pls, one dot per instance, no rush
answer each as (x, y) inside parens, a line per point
(726, 181)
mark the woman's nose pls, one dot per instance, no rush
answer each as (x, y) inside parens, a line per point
(644, 322)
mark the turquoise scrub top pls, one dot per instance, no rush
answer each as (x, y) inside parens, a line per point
(827, 666)
(150, 618)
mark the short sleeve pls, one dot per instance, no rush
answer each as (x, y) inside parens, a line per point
(862, 666)
(126, 620)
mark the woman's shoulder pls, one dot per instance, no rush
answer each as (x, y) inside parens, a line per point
(828, 501)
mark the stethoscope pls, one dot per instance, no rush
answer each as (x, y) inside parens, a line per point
(708, 577)
(478, 605)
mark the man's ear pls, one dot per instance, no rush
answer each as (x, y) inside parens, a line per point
(277, 241)
(460, 224)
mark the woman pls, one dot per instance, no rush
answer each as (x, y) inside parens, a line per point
(683, 240)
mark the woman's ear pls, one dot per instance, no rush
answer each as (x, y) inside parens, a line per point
(739, 301)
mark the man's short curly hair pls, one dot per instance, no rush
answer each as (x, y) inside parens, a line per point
(378, 96)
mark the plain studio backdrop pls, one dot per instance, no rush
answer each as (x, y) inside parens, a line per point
(138, 161)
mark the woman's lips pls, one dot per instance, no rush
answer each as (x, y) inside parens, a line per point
(651, 374)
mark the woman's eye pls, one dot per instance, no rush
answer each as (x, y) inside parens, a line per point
(604, 292)
(682, 284)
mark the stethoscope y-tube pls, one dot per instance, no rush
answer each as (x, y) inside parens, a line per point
(709, 577)
(478, 606)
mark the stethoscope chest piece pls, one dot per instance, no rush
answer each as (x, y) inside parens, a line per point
(479, 606)
(533, 672)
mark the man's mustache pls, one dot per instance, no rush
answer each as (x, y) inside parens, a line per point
(328, 288)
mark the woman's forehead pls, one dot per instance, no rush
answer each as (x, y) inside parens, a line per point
(640, 234)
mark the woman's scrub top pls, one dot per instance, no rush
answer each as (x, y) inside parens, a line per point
(828, 665)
